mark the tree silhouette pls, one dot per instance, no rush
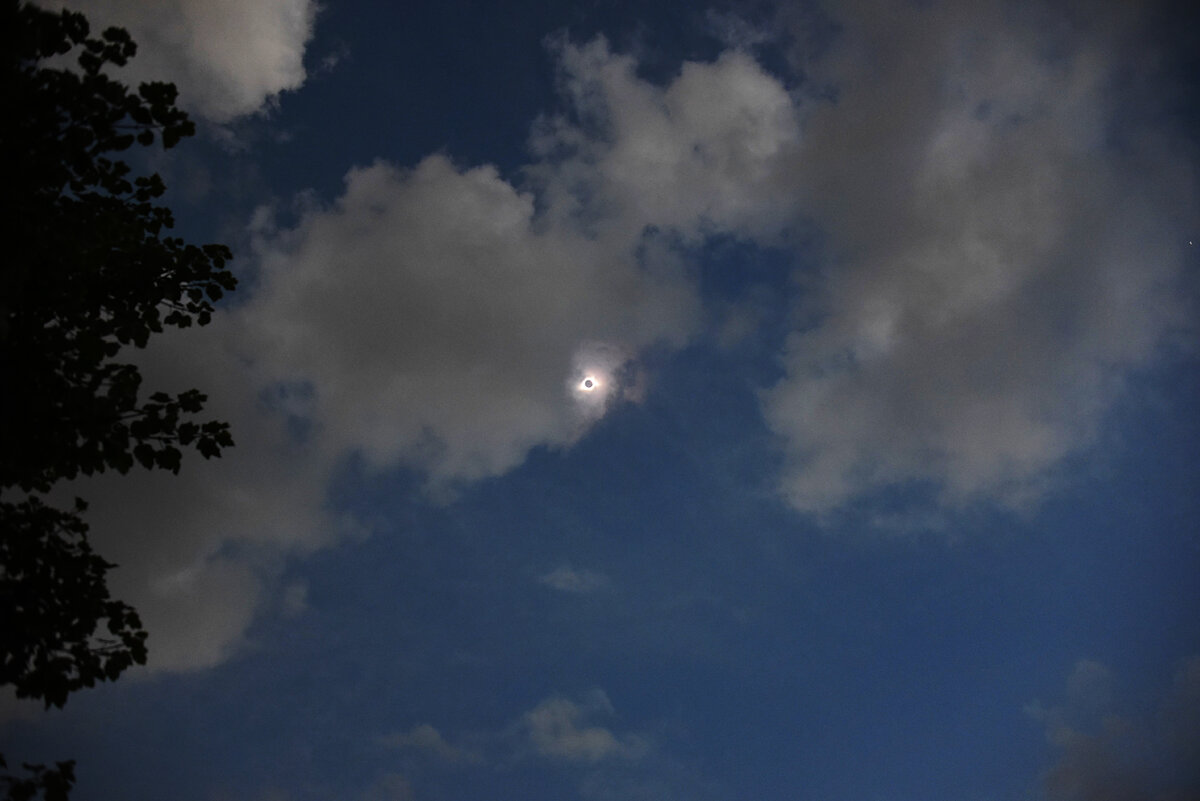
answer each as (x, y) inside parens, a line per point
(90, 268)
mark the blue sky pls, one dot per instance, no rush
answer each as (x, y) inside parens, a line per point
(885, 487)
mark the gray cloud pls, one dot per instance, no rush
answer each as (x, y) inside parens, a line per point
(1108, 753)
(229, 58)
(558, 728)
(1003, 248)
(200, 552)
(700, 155)
(437, 320)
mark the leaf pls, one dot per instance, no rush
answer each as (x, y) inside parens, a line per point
(145, 455)
(169, 458)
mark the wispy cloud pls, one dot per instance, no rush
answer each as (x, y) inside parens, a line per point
(558, 728)
(427, 739)
(579, 582)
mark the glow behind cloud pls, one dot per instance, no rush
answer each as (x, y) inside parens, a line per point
(597, 378)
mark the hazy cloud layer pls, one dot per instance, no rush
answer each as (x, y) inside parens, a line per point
(229, 58)
(1004, 245)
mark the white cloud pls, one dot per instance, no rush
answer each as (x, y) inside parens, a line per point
(699, 155)
(228, 58)
(558, 728)
(997, 263)
(579, 582)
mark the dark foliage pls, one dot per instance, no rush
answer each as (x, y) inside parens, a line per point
(90, 268)
(52, 784)
(51, 648)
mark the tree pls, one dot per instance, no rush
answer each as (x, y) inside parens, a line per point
(90, 269)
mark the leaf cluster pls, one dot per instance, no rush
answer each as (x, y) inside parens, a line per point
(52, 648)
(53, 784)
(90, 268)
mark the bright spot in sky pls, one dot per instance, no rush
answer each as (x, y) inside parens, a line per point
(596, 380)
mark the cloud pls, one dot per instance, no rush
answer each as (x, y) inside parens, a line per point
(700, 155)
(435, 317)
(229, 58)
(579, 582)
(429, 740)
(558, 728)
(568, 733)
(447, 318)
(1005, 244)
(995, 270)
(199, 553)
(1143, 754)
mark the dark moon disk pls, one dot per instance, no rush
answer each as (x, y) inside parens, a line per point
(589, 383)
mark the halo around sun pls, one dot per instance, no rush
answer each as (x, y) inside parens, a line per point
(596, 380)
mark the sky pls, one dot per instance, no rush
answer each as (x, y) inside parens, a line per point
(884, 485)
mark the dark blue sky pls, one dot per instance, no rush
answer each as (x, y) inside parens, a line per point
(887, 486)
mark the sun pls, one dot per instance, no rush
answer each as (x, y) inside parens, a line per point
(590, 383)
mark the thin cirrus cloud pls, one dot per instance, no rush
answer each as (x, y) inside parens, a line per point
(229, 58)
